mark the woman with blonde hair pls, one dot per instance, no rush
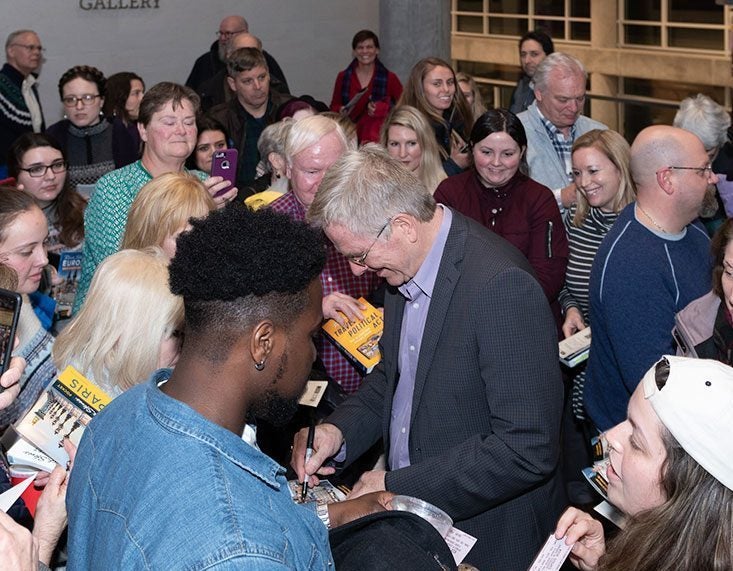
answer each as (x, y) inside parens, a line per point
(433, 90)
(407, 136)
(604, 187)
(467, 85)
(162, 209)
(129, 325)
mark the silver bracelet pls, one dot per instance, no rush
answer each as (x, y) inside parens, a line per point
(322, 513)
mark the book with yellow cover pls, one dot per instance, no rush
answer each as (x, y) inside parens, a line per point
(359, 341)
(62, 411)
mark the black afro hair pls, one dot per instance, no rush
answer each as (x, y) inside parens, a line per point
(234, 252)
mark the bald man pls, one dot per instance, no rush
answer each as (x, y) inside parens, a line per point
(215, 90)
(651, 264)
(214, 61)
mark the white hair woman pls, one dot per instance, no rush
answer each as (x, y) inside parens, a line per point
(129, 325)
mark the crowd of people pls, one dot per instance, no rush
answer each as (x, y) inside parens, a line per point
(484, 237)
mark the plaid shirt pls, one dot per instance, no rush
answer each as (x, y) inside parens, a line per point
(336, 276)
(563, 146)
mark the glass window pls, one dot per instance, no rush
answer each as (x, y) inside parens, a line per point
(580, 8)
(643, 35)
(504, 7)
(508, 26)
(580, 31)
(470, 5)
(549, 7)
(696, 39)
(643, 10)
(695, 11)
(470, 24)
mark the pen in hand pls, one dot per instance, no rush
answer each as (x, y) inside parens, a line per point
(308, 454)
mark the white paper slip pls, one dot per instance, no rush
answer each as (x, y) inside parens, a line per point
(8, 498)
(313, 393)
(23, 453)
(552, 555)
(460, 543)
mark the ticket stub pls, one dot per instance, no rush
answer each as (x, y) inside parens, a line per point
(552, 555)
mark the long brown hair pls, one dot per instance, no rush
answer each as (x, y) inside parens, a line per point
(414, 95)
(69, 204)
(692, 529)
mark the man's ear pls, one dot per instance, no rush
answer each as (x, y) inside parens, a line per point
(665, 180)
(405, 224)
(262, 341)
(231, 83)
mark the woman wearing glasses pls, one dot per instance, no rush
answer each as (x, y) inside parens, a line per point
(94, 145)
(37, 163)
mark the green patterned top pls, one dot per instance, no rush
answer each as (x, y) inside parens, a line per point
(106, 216)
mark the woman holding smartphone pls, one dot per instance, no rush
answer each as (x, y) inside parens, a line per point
(433, 90)
(23, 234)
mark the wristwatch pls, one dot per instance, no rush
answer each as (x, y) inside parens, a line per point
(322, 513)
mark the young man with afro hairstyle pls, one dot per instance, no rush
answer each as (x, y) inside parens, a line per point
(163, 477)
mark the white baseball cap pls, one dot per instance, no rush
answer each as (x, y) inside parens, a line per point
(696, 406)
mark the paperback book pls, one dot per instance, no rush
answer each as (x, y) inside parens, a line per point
(64, 292)
(359, 340)
(62, 411)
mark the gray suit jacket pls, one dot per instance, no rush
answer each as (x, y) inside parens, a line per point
(544, 164)
(484, 432)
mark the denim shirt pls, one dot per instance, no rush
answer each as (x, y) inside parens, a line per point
(155, 485)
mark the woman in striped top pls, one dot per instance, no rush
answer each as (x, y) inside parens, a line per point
(604, 188)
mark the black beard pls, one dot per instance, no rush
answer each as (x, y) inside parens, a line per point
(273, 407)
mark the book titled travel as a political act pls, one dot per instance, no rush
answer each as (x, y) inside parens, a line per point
(62, 411)
(359, 340)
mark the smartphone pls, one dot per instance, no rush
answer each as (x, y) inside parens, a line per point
(10, 303)
(224, 164)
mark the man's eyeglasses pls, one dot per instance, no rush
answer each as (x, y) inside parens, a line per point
(37, 171)
(359, 260)
(227, 35)
(30, 47)
(702, 171)
(72, 100)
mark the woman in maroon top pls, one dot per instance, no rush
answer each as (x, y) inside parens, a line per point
(497, 193)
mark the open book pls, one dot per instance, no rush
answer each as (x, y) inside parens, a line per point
(359, 341)
(62, 411)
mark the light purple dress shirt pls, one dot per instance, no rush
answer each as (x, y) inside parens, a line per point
(417, 292)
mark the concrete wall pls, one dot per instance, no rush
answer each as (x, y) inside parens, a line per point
(310, 39)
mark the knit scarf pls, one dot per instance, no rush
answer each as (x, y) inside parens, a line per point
(379, 81)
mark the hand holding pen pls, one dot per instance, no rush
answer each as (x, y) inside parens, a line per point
(308, 454)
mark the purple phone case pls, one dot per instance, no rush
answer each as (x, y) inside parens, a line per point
(224, 164)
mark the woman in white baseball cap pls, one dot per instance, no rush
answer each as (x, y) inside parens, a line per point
(671, 472)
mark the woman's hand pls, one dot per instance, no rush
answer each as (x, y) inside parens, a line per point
(573, 322)
(459, 153)
(10, 381)
(585, 534)
(215, 184)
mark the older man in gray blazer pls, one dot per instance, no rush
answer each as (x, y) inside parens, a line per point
(468, 396)
(554, 121)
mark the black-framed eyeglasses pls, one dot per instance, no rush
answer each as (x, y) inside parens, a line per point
(359, 260)
(702, 171)
(86, 99)
(37, 171)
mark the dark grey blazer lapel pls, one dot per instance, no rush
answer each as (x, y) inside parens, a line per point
(394, 305)
(449, 273)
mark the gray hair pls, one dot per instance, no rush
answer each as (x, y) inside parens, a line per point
(364, 189)
(705, 118)
(273, 137)
(308, 131)
(12, 36)
(565, 63)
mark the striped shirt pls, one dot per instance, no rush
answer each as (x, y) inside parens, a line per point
(583, 242)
